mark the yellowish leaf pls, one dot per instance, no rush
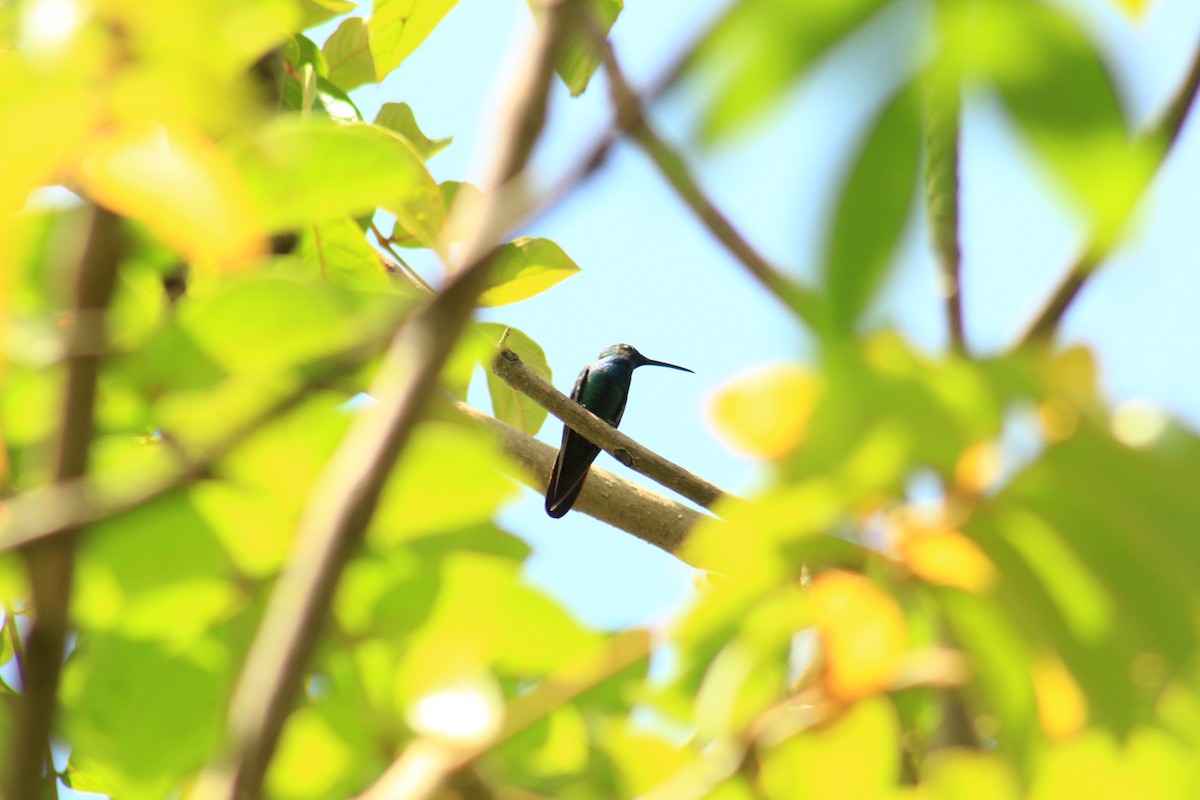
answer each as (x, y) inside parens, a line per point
(942, 555)
(862, 631)
(181, 186)
(1134, 9)
(765, 413)
(1061, 706)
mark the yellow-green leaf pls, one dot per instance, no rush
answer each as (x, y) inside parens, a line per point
(526, 267)
(397, 27)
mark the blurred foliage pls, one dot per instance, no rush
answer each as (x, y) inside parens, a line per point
(963, 577)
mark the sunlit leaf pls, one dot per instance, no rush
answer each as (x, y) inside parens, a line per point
(873, 209)
(961, 774)
(448, 478)
(1062, 708)
(182, 187)
(510, 406)
(526, 267)
(399, 117)
(863, 633)
(266, 324)
(1057, 87)
(397, 27)
(765, 413)
(318, 11)
(579, 59)
(338, 251)
(348, 55)
(762, 46)
(854, 755)
(301, 172)
(943, 555)
(312, 758)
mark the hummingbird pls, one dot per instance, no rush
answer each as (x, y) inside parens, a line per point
(602, 388)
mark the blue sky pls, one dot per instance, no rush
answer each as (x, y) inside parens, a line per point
(652, 276)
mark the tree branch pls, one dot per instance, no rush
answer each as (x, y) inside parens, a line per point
(631, 117)
(621, 503)
(1162, 135)
(509, 368)
(429, 760)
(51, 564)
(347, 493)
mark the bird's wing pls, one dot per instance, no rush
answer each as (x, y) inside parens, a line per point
(575, 456)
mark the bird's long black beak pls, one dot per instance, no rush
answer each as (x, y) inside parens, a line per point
(649, 362)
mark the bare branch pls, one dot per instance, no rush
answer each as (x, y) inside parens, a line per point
(631, 117)
(607, 497)
(509, 367)
(346, 495)
(1162, 135)
(51, 564)
(428, 761)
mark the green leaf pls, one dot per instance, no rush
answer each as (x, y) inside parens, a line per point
(761, 47)
(873, 209)
(1057, 87)
(301, 171)
(318, 11)
(397, 27)
(510, 406)
(348, 55)
(448, 478)
(399, 118)
(301, 50)
(454, 224)
(265, 324)
(526, 267)
(337, 250)
(855, 755)
(579, 59)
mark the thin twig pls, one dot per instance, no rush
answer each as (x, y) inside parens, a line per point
(1162, 136)
(621, 503)
(346, 495)
(429, 761)
(51, 564)
(632, 118)
(403, 267)
(509, 368)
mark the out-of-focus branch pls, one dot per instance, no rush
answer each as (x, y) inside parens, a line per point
(46, 513)
(631, 118)
(648, 516)
(51, 564)
(509, 367)
(1162, 135)
(347, 493)
(429, 761)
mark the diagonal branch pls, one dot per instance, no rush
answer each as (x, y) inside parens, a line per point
(1162, 135)
(430, 760)
(648, 516)
(509, 367)
(51, 564)
(631, 117)
(346, 495)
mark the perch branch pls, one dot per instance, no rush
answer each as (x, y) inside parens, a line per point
(943, 129)
(1162, 135)
(347, 493)
(607, 497)
(509, 368)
